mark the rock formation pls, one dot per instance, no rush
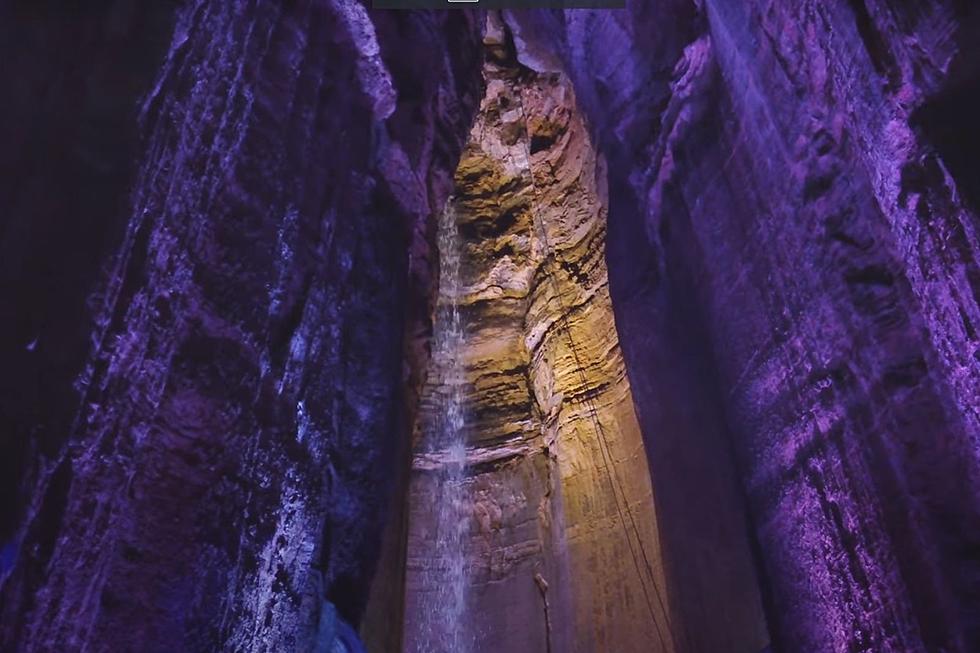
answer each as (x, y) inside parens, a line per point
(219, 272)
(226, 471)
(561, 526)
(780, 192)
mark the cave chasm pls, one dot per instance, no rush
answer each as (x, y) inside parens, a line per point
(548, 539)
(542, 374)
(710, 270)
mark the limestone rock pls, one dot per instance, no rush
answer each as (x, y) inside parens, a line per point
(227, 467)
(792, 261)
(558, 488)
(756, 219)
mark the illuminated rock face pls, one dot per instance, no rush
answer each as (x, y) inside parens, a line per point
(787, 198)
(204, 454)
(237, 419)
(562, 543)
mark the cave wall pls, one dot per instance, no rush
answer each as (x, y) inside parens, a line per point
(562, 546)
(198, 439)
(624, 83)
(70, 134)
(240, 413)
(779, 184)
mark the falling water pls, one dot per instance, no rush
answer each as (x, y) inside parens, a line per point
(445, 605)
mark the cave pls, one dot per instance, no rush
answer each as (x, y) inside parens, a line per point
(345, 329)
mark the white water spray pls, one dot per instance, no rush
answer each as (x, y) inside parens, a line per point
(445, 605)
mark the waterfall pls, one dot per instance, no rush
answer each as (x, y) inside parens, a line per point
(445, 605)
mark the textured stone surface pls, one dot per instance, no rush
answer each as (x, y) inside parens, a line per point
(623, 64)
(789, 200)
(70, 136)
(229, 466)
(558, 487)
(792, 263)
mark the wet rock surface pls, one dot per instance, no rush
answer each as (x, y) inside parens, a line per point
(779, 189)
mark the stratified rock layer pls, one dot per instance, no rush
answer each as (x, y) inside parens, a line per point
(229, 467)
(562, 547)
(784, 193)
(792, 263)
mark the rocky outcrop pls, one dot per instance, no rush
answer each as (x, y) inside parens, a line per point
(561, 541)
(797, 211)
(227, 470)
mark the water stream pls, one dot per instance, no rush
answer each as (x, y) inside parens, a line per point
(444, 606)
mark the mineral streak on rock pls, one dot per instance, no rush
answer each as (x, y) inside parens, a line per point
(558, 486)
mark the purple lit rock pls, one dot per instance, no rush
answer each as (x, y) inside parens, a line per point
(792, 258)
(777, 199)
(231, 461)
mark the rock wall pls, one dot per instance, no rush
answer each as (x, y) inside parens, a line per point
(228, 469)
(68, 124)
(623, 64)
(786, 174)
(562, 546)
(201, 450)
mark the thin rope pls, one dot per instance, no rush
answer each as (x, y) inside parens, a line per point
(604, 448)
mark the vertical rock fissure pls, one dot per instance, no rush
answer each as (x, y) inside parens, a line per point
(542, 584)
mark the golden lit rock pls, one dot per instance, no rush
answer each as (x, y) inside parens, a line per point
(559, 508)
